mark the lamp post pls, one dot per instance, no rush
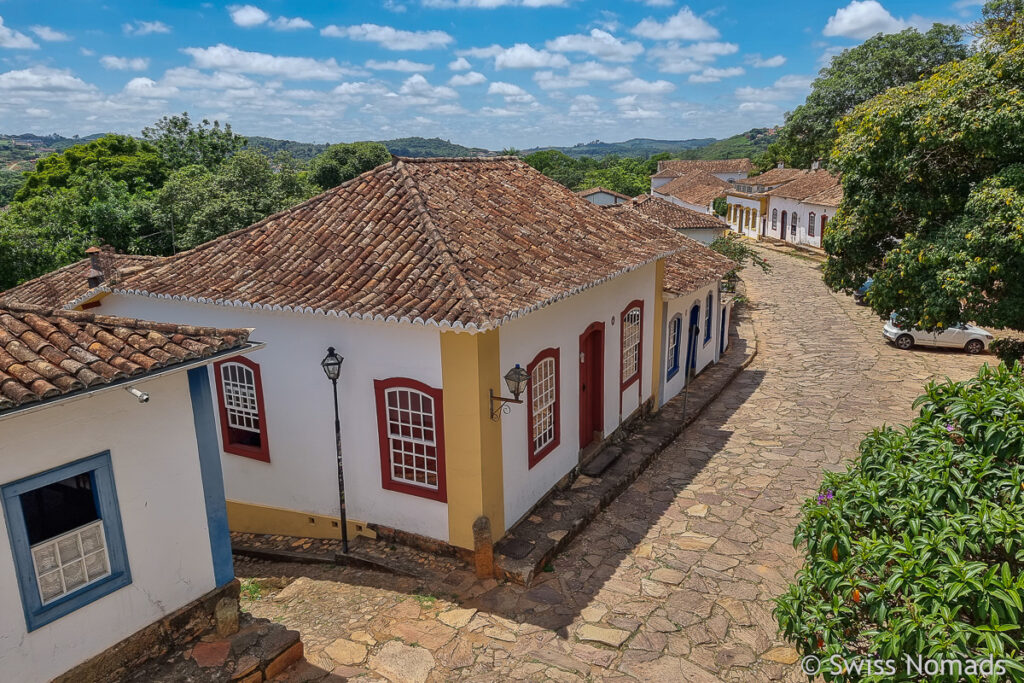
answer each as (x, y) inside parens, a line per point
(332, 368)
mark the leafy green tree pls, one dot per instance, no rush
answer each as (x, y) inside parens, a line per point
(197, 204)
(855, 76)
(721, 206)
(10, 183)
(181, 143)
(119, 157)
(342, 162)
(558, 166)
(628, 176)
(39, 235)
(934, 195)
(918, 549)
(732, 246)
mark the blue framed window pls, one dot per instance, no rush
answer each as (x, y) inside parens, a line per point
(64, 526)
(675, 328)
(707, 318)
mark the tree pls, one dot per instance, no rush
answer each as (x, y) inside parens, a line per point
(40, 235)
(918, 549)
(558, 166)
(10, 183)
(342, 162)
(119, 157)
(720, 205)
(933, 184)
(736, 248)
(857, 75)
(180, 143)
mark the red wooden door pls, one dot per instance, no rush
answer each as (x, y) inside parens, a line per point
(591, 383)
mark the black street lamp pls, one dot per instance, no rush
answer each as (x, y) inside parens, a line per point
(516, 380)
(332, 368)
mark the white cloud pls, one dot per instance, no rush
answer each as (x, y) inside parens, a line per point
(789, 87)
(359, 88)
(86, 52)
(639, 86)
(522, 56)
(862, 19)
(510, 91)
(712, 75)
(491, 4)
(595, 71)
(247, 16)
(417, 86)
(147, 87)
(226, 58)
(657, 3)
(38, 112)
(43, 79)
(759, 62)
(759, 107)
(600, 44)
(468, 78)
(185, 77)
(584, 104)
(124, 63)
(388, 37)
(549, 80)
(629, 109)
(48, 34)
(145, 28)
(394, 6)
(481, 52)
(683, 25)
(674, 58)
(15, 40)
(399, 65)
(460, 64)
(290, 24)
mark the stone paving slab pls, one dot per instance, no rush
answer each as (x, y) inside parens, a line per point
(687, 560)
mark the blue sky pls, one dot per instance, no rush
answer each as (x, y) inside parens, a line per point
(489, 73)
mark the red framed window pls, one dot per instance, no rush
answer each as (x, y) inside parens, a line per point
(243, 420)
(810, 224)
(542, 396)
(632, 333)
(410, 422)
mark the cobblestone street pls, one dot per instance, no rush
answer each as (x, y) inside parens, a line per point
(675, 580)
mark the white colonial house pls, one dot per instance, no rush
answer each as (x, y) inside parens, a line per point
(695, 191)
(435, 279)
(697, 225)
(799, 210)
(603, 196)
(748, 199)
(727, 170)
(111, 492)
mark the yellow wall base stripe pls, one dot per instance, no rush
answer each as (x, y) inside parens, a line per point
(250, 518)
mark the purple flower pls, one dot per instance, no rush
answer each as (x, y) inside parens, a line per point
(824, 498)
(949, 427)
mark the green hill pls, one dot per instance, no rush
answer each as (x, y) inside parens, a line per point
(403, 147)
(637, 147)
(745, 145)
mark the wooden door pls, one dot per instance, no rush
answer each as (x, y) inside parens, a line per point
(591, 383)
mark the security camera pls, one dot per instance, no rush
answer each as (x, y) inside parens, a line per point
(141, 395)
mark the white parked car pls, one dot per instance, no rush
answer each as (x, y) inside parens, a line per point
(970, 338)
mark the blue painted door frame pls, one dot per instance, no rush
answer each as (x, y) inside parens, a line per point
(691, 338)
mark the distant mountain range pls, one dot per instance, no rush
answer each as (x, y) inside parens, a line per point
(19, 152)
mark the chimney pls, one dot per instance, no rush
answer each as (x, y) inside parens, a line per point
(95, 274)
(782, 164)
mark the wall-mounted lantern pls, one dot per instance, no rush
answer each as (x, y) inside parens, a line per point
(516, 379)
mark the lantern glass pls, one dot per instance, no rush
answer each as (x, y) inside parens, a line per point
(516, 380)
(332, 364)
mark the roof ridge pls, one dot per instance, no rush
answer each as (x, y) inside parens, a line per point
(422, 160)
(440, 243)
(117, 321)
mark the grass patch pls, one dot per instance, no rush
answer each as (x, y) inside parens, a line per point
(252, 590)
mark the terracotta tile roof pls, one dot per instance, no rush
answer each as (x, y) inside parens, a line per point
(833, 196)
(811, 183)
(668, 214)
(773, 177)
(677, 167)
(46, 354)
(70, 284)
(595, 190)
(695, 265)
(700, 188)
(465, 243)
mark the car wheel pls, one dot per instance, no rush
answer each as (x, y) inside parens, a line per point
(905, 342)
(974, 346)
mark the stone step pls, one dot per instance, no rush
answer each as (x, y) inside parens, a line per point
(596, 466)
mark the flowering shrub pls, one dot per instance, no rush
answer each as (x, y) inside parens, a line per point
(918, 549)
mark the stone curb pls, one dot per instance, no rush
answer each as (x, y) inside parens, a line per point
(625, 470)
(275, 555)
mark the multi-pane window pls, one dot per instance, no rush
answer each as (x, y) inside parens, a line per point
(243, 423)
(810, 224)
(674, 330)
(795, 220)
(775, 218)
(542, 398)
(707, 319)
(67, 523)
(411, 437)
(631, 343)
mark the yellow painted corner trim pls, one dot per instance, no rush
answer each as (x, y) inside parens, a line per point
(251, 518)
(659, 332)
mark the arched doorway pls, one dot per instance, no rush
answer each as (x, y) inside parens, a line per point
(782, 233)
(692, 334)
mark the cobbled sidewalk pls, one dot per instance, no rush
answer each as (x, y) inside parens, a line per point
(675, 580)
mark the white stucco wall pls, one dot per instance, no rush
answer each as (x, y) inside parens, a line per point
(803, 210)
(658, 182)
(703, 235)
(560, 326)
(603, 199)
(155, 461)
(707, 353)
(302, 473)
(745, 203)
(679, 202)
(728, 177)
